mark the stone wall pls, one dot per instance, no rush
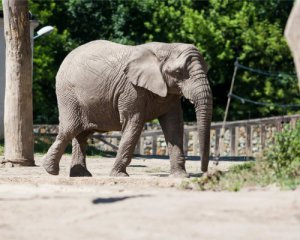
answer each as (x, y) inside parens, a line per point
(246, 138)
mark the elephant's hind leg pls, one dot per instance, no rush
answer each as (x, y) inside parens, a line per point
(78, 165)
(70, 118)
(53, 156)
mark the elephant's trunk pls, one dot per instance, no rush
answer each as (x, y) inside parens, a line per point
(203, 113)
(199, 92)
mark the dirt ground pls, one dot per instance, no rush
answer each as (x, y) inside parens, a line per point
(147, 205)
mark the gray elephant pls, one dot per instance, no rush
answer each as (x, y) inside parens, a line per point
(103, 86)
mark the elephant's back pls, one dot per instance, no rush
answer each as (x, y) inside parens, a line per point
(97, 60)
(101, 50)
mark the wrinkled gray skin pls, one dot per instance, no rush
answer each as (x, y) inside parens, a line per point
(103, 86)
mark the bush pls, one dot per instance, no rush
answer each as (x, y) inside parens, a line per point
(284, 156)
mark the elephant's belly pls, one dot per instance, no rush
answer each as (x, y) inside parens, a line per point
(99, 111)
(100, 115)
(103, 126)
(104, 119)
(160, 106)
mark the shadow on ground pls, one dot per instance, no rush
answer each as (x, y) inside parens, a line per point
(116, 199)
(137, 166)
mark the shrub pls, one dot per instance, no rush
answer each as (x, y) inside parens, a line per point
(284, 155)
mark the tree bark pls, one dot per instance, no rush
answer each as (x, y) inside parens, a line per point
(292, 34)
(18, 119)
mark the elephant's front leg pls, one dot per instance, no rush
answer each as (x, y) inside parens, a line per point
(131, 131)
(172, 126)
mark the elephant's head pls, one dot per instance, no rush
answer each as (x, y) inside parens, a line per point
(177, 69)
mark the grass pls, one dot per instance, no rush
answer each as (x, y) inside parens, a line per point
(252, 174)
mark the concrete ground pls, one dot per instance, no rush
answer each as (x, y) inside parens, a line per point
(147, 205)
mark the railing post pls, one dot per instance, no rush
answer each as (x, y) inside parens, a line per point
(154, 144)
(185, 142)
(262, 136)
(195, 143)
(293, 122)
(248, 140)
(237, 140)
(278, 125)
(137, 149)
(232, 141)
(141, 143)
(217, 142)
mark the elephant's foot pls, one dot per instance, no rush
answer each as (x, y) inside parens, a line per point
(180, 173)
(79, 171)
(50, 166)
(115, 173)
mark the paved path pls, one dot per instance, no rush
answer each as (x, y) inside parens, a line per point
(148, 205)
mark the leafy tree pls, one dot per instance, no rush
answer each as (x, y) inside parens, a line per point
(49, 52)
(77, 22)
(250, 31)
(121, 21)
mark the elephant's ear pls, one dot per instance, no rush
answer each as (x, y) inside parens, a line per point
(144, 70)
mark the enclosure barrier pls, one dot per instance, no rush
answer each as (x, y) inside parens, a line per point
(241, 138)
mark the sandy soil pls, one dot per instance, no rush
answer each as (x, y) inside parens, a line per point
(147, 205)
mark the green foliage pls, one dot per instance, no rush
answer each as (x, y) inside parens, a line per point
(77, 22)
(280, 166)
(251, 31)
(121, 21)
(49, 51)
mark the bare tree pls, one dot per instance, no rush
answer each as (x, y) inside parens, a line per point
(292, 34)
(18, 119)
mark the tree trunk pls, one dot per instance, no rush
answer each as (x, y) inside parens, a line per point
(292, 35)
(18, 119)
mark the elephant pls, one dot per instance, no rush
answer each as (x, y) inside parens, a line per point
(103, 86)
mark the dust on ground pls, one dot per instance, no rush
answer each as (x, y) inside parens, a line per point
(147, 205)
